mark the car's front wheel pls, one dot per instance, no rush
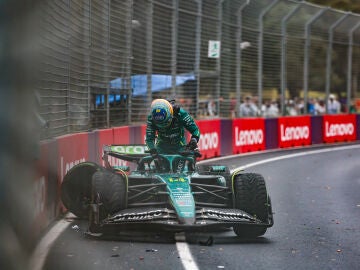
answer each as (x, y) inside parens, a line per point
(110, 192)
(251, 196)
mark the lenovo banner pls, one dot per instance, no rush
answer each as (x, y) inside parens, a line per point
(248, 134)
(122, 135)
(209, 143)
(339, 128)
(294, 131)
(103, 137)
(72, 150)
(42, 201)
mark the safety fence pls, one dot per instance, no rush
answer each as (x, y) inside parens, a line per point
(103, 62)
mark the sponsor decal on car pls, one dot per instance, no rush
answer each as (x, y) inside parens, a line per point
(129, 149)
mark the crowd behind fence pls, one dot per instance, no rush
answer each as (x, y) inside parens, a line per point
(103, 62)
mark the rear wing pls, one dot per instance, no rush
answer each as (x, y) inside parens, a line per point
(132, 153)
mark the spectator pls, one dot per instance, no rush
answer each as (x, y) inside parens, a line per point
(290, 108)
(320, 107)
(211, 107)
(333, 105)
(311, 106)
(300, 106)
(274, 109)
(248, 108)
(233, 107)
(352, 108)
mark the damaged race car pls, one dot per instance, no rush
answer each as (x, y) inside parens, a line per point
(168, 192)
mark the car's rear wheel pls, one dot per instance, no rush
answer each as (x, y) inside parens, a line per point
(76, 188)
(251, 196)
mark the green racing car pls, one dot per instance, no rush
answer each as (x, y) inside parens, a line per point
(169, 192)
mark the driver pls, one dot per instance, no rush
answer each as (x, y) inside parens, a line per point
(165, 131)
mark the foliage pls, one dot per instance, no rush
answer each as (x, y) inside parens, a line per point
(346, 5)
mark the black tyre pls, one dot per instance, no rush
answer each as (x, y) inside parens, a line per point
(76, 188)
(251, 196)
(110, 189)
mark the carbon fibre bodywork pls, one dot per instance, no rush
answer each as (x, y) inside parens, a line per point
(170, 192)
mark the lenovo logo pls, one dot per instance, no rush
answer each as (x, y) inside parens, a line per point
(248, 137)
(209, 141)
(332, 130)
(294, 133)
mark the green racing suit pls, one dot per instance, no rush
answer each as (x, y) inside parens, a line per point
(171, 140)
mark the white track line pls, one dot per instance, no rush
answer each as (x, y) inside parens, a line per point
(297, 155)
(41, 251)
(186, 258)
(39, 256)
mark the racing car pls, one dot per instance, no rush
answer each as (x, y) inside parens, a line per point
(170, 192)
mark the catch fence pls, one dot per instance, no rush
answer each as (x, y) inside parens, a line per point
(103, 62)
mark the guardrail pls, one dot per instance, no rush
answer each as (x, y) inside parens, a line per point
(220, 137)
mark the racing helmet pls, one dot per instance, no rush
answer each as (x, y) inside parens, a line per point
(162, 113)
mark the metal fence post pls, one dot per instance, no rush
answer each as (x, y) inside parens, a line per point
(218, 60)
(198, 52)
(68, 92)
(149, 50)
(88, 70)
(284, 56)
(107, 62)
(128, 53)
(238, 53)
(329, 55)
(306, 53)
(349, 68)
(260, 50)
(174, 42)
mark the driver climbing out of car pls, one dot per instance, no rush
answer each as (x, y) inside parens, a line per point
(165, 131)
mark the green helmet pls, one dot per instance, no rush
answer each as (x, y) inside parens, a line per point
(162, 113)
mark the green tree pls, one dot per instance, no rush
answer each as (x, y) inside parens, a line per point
(346, 5)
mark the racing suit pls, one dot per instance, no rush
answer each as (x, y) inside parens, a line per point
(171, 140)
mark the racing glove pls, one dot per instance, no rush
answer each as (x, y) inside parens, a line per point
(153, 152)
(193, 144)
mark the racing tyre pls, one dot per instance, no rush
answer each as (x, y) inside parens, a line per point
(110, 190)
(76, 188)
(251, 196)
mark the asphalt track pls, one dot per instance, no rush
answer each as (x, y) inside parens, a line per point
(315, 194)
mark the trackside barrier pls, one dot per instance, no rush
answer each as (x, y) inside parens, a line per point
(358, 127)
(248, 134)
(271, 127)
(45, 189)
(226, 134)
(316, 129)
(209, 143)
(339, 128)
(294, 131)
(219, 137)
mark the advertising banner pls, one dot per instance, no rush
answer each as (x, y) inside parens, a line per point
(248, 134)
(122, 135)
(40, 193)
(103, 137)
(143, 135)
(339, 128)
(294, 131)
(72, 150)
(209, 144)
